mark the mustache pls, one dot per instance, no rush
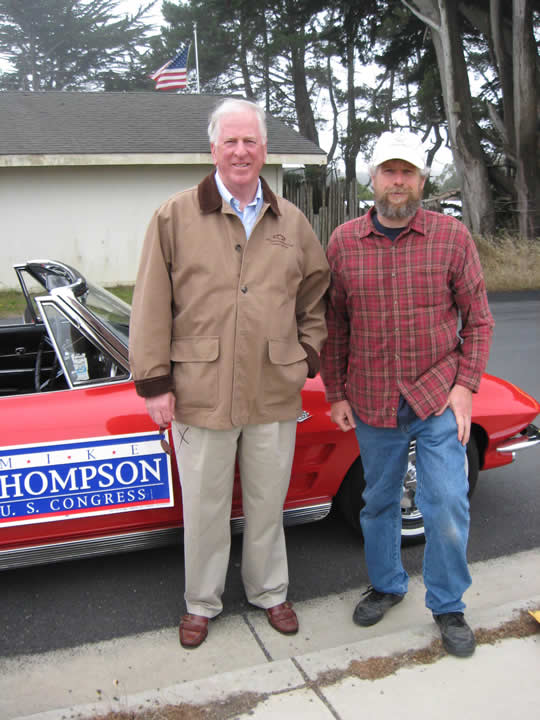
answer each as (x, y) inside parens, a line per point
(398, 212)
(398, 189)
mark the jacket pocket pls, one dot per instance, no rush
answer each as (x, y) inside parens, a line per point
(195, 371)
(285, 372)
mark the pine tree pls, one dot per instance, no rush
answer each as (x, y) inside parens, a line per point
(68, 44)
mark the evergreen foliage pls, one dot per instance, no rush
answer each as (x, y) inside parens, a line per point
(69, 44)
(351, 68)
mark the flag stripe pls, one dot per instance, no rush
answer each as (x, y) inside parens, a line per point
(176, 80)
(174, 73)
(155, 75)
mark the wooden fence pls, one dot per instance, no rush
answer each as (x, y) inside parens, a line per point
(326, 204)
(330, 202)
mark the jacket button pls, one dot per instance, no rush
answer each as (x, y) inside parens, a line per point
(244, 289)
(238, 248)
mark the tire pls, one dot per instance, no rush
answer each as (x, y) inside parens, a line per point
(349, 496)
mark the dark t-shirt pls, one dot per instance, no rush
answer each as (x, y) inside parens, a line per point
(405, 413)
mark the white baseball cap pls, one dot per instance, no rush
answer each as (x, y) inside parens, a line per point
(399, 145)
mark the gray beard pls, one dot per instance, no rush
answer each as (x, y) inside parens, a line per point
(391, 212)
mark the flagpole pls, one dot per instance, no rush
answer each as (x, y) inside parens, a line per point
(196, 56)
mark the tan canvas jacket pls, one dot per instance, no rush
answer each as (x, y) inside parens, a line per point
(231, 325)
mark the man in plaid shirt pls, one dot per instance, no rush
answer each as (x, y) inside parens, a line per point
(409, 330)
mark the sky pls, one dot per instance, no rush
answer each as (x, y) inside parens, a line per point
(442, 158)
(131, 7)
(325, 139)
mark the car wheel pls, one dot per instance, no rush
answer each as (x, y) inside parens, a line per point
(349, 496)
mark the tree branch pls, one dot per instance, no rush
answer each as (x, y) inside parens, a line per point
(424, 18)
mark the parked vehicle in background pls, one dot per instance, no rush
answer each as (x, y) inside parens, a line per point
(83, 470)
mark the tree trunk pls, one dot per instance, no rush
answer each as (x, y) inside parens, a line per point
(349, 151)
(335, 111)
(248, 88)
(389, 103)
(266, 63)
(524, 53)
(504, 68)
(302, 101)
(33, 64)
(477, 200)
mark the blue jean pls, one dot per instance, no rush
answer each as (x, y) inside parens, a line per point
(441, 496)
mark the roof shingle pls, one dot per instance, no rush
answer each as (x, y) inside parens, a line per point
(52, 122)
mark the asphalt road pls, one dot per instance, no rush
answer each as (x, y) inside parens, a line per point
(68, 604)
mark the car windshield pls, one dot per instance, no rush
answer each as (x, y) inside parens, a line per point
(113, 312)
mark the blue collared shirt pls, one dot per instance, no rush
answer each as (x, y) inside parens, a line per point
(250, 213)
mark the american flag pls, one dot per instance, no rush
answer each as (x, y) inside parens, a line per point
(174, 73)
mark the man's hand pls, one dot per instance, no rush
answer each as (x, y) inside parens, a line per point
(460, 402)
(341, 413)
(161, 408)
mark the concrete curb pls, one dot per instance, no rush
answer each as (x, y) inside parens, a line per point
(324, 668)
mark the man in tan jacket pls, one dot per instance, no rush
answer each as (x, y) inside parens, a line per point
(227, 322)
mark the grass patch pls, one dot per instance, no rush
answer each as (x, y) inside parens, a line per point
(509, 263)
(13, 304)
(124, 292)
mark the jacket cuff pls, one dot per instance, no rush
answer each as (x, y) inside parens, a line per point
(151, 387)
(312, 360)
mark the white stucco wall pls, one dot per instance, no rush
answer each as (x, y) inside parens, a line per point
(93, 218)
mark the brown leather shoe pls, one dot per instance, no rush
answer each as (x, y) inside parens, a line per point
(193, 630)
(283, 618)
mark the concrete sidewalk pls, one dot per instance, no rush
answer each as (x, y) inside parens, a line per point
(331, 669)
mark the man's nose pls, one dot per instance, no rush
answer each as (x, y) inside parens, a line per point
(399, 178)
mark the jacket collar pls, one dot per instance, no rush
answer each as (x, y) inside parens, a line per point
(210, 199)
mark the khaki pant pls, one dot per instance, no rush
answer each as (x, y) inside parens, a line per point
(206, 463)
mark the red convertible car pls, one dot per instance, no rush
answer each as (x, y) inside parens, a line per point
(82, 467)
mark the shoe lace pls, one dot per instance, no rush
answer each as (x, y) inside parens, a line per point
(372, 593)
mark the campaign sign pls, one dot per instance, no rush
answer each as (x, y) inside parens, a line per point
(76, 478)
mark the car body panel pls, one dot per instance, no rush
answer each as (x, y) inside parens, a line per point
(86, 354)
(503, 410)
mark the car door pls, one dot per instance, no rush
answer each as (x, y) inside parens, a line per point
(85, 462)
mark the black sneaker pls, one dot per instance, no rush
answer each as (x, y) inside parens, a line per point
(457, 636)
(373, 607)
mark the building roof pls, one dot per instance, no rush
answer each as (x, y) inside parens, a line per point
(52, 123)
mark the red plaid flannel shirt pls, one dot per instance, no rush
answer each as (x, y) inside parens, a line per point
(393, 317)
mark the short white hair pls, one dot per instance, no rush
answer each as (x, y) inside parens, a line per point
(231, 106)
